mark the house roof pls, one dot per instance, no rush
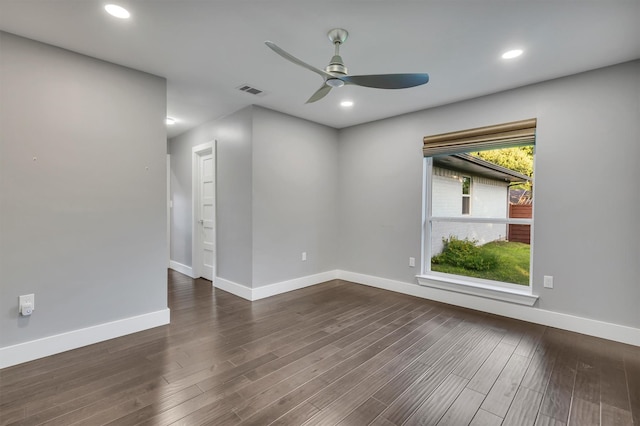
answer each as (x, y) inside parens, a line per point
(208, 49)
(478, 167)
(517, 194)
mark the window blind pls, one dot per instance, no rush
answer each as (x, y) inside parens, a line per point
(516, 133)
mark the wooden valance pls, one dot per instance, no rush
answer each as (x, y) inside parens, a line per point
(516, 133)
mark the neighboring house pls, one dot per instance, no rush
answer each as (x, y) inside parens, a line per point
(520, 196)
(470, 187)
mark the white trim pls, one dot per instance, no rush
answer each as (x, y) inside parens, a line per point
(183, 269)
(427, 212)
(294, 284)
(51, 345)
(233, 288)
(205, 148)
(591, 327)
(473, 219)
(169, 210)
(425, 244)
(269, 290)
(496, 292)
(28, 351)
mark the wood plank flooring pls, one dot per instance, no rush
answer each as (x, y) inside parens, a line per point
(332, 354)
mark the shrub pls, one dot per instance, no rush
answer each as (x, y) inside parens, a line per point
(465, 254)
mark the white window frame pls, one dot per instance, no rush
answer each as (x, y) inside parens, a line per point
(468, 196)
(462, 284)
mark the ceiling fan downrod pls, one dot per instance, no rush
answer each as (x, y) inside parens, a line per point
(336, 66)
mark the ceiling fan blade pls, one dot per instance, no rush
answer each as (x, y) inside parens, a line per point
(387, 81)
(297, 61)
(319, 94)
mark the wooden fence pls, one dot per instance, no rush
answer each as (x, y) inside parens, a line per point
(520, 233)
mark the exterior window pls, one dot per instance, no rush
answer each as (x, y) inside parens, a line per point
(466, 194)
(491, 241)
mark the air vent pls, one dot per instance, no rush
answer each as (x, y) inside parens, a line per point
(252, 90)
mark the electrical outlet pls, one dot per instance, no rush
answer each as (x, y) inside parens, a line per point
(26, 304)
(304, 256)
(548, 281)
(412, 262)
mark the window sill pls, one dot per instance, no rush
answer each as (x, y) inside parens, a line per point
(512, 295)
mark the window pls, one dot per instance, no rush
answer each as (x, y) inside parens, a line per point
(482, 241)
(466, 194)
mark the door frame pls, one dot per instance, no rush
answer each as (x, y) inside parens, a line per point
(196, 260)
(169, 208)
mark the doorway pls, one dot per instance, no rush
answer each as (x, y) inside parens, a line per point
(204, 212)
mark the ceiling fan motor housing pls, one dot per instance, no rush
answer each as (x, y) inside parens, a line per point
(336, 66)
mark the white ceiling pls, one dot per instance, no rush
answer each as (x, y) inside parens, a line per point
(206, 49)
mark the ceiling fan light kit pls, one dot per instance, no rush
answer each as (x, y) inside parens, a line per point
(334, 82)
(336, 75)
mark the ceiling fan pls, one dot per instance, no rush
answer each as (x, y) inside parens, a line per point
(335, 74)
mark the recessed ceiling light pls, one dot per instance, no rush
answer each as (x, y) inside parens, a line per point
(346, 104)
(510, 54)
(117, 11)
(170, 121)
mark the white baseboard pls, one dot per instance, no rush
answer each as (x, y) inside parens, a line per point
(605, 330)
(28, 351)
(233, 288)
(51, 345)
(276, 288)
(183, 269)
(294, 284)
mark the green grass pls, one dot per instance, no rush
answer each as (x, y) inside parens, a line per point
(512, 267)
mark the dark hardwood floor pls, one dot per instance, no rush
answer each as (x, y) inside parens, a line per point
(335, 353)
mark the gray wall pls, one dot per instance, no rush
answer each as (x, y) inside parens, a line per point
(380, 198)
(586, 229)
(84, 225)
(234, 209)
(295, 169)
(233, 193)
(276, 186)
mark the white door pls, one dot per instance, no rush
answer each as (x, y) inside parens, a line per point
(204, 256)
